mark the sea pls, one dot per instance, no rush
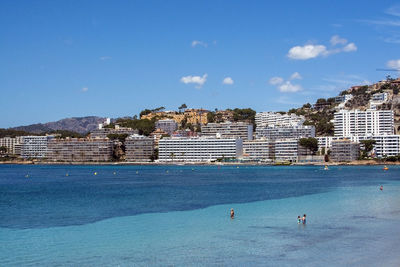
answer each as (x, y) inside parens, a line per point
(67, 215)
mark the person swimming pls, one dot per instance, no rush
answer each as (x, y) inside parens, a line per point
(381, 188)
(304, 219)
(232, 214)
(298, 219)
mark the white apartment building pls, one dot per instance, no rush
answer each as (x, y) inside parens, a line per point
(285, 132)
(386, 145)
(228, 130)
(259, 149)
(286, 150)
(198, 149)
(360, 123)
(10, 143)
(277, 119)
(35, 146)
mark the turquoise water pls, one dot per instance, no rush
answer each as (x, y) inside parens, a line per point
(143, 216)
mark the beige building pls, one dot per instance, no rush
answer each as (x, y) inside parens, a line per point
(80, 149)
(139, 148)
(259, 149)
(345, 150)
(11, 144)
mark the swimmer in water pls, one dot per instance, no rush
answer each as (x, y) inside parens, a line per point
(298, 219)
(232, 214)
(304, 219)
(381, 188)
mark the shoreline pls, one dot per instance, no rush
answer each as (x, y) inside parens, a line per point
(352, 163)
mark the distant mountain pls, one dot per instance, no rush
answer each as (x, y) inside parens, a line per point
(81, 125)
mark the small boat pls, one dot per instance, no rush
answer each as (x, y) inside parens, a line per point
(385, 168)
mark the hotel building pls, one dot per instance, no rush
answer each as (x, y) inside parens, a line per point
(286, 150)
(80, 150)
(228, 130)
(361, 123)
(259, 149)
(345, 150)
(169, 126)
(200, 149)
(34, 146)
(11, 143)
(277, 119)
(284, 132)
(139, 148)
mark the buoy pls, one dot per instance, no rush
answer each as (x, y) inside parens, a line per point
(95, 173)
(385, 168)
(114, 173)
(66, 174)
(192, 169)
(137, 172)
(27, 176)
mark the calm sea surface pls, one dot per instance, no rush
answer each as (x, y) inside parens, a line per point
(179, 215)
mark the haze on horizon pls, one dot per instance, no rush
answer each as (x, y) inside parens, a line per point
(79, 58)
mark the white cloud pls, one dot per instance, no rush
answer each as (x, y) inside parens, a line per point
(276, 80)
(394, 64)
(85, 89)
(336, 39)
(394, 11)
(201, 43)
(104, 58)
(350, 48)
(199, 81)
(288, 87)
(312, 51)
(306, 52)
(295, 76)
(228, 80)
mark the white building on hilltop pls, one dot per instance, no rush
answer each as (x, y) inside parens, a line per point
(278, 119)
(200, 149)
(360, 123)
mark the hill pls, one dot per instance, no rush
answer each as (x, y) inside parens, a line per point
(80, 125)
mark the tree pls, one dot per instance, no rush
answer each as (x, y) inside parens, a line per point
(368, 146)
(210, 117)
(3, 149)
(308, 105)
(182, 107)
(119, 137)
(144, 112)
(245, 114)
(309, 143)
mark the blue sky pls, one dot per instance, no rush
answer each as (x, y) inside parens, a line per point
(114, 58)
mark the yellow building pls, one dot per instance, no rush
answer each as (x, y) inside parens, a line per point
(193, 116)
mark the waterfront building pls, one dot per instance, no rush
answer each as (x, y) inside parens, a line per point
(35, 146)
(167, 125)
(278, 119)
(139, 148)
(10, 143)
(385, 146)
(200, 149)
(258, 149)
(228, 130)
(360, 123)
(286, 150)
(157, 134)
(344, 150)
(104, 132)
(284, 132)
(80, 150)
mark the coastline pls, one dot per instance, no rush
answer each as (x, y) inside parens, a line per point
(351, 163)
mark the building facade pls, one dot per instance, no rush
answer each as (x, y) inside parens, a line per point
(104, 132)
(34, 146)
(278, 119)
(286, 150)
(344, 150)
(228, 130)
(169, 126)
(200, 149)
(360, 123)
(139, 148)
(270, 132)
(80, 150)
(11, 144)
(259, 149)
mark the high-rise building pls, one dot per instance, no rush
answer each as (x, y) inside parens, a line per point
(286, 149)
(229, 130)
(345, 150)
(284, 132)
(10, 143)
(139, 148)
(259, 149)
(200, 149)
(104, 132)
(360, 123)
(80, 150)
(278, 119)
(35, 146)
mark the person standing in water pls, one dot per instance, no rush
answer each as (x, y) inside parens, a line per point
(232, 214)
(381, 188)
(298, 220)
(304, 219)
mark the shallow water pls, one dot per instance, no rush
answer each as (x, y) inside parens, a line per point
(152, 215)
